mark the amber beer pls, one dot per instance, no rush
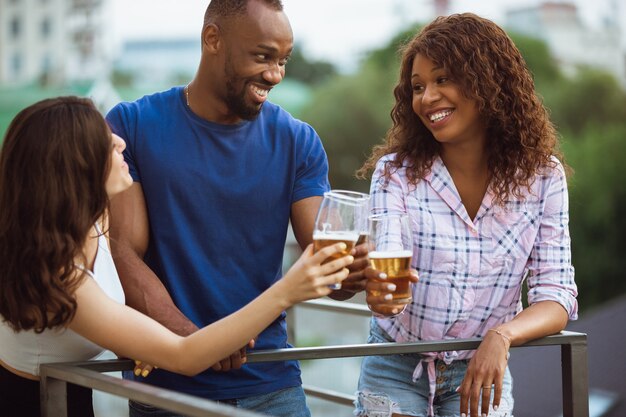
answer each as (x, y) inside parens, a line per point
(321, 240)
(397, 265)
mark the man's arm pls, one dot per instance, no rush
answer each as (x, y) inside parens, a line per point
(129, 230)
(144, 291)
(303, 215)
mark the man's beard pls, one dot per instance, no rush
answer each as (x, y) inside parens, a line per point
(236, 101)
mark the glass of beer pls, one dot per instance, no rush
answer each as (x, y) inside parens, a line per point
(363, 210)
(390, 251)
(339, 219)
(363, 222)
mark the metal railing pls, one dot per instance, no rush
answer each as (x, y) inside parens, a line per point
(54, 377)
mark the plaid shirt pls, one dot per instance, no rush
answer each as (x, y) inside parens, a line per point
(471, 272)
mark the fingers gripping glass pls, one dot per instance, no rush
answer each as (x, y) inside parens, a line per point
(390, 251)
(342, 217)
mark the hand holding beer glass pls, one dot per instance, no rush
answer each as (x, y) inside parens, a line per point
(390, 253)
(338, 220)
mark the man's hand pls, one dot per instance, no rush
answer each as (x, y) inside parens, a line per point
(356, 280)
(235, 360)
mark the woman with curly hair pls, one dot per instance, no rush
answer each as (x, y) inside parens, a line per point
(472, 157)
(60, 296)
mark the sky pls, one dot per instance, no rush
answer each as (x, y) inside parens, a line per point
(339, 31)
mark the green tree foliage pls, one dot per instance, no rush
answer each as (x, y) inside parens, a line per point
(348, 136)
(122, 78)
(592, 97)
(597, 201)
(538, 59)
(351, 114)
(308, 71)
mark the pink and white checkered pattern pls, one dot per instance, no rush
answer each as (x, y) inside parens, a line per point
(471, 271)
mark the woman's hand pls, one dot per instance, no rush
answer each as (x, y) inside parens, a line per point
(485, 373)
(143, 369)
(311, 277)
(380, 292)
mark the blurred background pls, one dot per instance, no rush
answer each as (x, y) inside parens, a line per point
(340, 80)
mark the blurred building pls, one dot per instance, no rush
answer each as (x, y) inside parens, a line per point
(571, 43)
(52, 41)
(442, 7)
(537, 371)
(159, 62)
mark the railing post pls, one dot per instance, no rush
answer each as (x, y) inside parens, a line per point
(291, 326)
(575, 375)
(53, 397)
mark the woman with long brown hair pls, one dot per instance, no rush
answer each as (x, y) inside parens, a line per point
(60, 295)
(473, 158)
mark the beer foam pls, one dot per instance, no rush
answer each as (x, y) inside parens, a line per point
(390, 254)
(348, 236)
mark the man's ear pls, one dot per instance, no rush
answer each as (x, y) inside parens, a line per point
(211, 39)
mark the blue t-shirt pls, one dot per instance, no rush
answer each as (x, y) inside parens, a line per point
(219, 199)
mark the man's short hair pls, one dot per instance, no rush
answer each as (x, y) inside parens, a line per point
(219, 9)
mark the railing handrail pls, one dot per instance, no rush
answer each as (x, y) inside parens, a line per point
(54, 376)
(338, 351)
(392, 348)
(337, 307)
(54, 379)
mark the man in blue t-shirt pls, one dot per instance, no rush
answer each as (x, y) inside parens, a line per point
(219, 172)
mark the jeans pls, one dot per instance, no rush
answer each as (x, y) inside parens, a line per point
(386, 385)
(288, 402)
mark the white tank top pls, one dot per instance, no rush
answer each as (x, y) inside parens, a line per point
(26, 350)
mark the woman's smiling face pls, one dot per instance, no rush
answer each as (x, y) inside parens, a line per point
(119, 178)
(441, 105)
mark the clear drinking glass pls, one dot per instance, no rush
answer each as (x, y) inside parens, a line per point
(340, 219)
(390, 251)
(363, 221)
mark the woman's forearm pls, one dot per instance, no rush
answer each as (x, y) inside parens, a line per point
(541, 319)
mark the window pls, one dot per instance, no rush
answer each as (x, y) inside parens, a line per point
(46, 64)
(16, 27)
(16, 64)
(46, 28)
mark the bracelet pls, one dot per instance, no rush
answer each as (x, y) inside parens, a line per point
(505, 337)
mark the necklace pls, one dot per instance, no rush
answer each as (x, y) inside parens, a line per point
(187, 94)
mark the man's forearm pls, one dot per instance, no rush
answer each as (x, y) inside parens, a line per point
(146, 293)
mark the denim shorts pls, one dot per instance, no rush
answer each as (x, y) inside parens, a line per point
(288, 402)
(386, 385)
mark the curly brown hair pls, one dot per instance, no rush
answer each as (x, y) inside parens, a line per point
(54, 164)
(489, 69)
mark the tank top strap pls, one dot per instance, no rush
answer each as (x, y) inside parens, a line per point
(86, 270)
(82, 267)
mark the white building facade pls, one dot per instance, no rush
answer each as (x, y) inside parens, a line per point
(571, 43)
(52, 41)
